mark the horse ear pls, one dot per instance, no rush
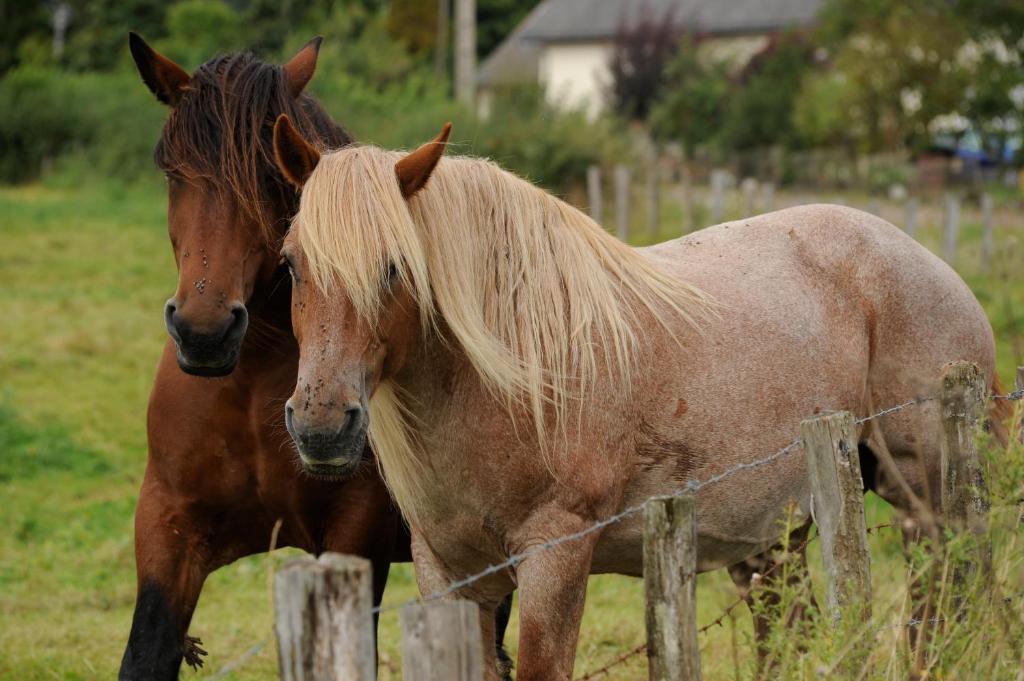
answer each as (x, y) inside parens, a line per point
(300, 68)
(295, 156)
(415, 168)
(164, 78)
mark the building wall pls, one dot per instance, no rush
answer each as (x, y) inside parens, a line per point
(576, 75)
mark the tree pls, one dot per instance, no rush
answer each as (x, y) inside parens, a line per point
(99, 29)
(695, 96)
(760, 111)
(18, 21)
(901, 69)
(496, 19)
(639, 62)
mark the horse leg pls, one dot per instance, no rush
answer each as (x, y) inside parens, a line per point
(552, 589)
(170, 574)
(911, 486)
(501, 618)
(759, 578)
(433, 577)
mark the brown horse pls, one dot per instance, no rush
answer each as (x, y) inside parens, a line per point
(522, 375)
(220, 472)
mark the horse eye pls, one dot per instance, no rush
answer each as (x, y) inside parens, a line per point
(392, 273)
(288, 263)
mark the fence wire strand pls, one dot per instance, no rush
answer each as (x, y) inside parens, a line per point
(691, 487)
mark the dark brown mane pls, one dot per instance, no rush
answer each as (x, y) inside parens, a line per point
(231, 101)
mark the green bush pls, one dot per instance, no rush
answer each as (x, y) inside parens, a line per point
(109, 120)
(106, 124)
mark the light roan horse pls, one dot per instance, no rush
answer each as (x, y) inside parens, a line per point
(521, 374)
(221, 469)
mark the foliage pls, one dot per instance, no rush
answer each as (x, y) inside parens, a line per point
(705, 105)
(109, 121)
(696, 98)
(546, 145)
(639, 62)
(19, 19)
(200, 29)
(96, 36)
(760, 105)
(496, 19)
(901, 71)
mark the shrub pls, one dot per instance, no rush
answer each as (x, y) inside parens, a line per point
(110, 120)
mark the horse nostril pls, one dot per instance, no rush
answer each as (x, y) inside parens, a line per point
(239, 322)
(171, 319)
(353, 420)
(289, 418)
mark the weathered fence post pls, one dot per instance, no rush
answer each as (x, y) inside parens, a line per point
(441, 642)
(987, 237)
(594, 192)
(749, 187)
(910, 218)
(622, 177)
(670, 587)
(718, 180)
(323, 619)
(768, 191)
(653, 198)
(1020, 378)
(837, 504)
(951, 224)
(965, 501)
(686, 199)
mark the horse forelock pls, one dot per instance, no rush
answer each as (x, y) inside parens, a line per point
(222, 131)
(542, 301)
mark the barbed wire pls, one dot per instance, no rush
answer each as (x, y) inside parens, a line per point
(690, 487)
(625, 657)
(239, 661)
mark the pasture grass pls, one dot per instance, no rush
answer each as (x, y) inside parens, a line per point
(83, 275)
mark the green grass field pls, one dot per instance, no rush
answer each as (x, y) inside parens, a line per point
(83, 275)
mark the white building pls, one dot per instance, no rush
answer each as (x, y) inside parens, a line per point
(567, 45)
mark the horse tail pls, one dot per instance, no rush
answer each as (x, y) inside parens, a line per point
(1000, 414)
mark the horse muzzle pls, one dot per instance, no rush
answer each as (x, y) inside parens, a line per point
(210, 351)
(327, 451)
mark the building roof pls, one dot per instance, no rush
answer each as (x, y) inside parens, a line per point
(515, 59)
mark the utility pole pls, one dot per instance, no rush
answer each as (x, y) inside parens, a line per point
(61, 19)
(441, 46)
(465, 51)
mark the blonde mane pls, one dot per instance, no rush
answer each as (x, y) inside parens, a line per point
(539, 297)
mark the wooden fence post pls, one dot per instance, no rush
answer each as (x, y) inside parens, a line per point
(768, 191)
(837, 504)
(910, 218)
(686, 199)
(441, 642)
(670, 587)
(594, 192)
(718, 180)
(951, 224)
(749, 187)
(965, 501)
(987, 237)
(1020, 378)
(622, 177)
(653, 198)
(323, 620)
